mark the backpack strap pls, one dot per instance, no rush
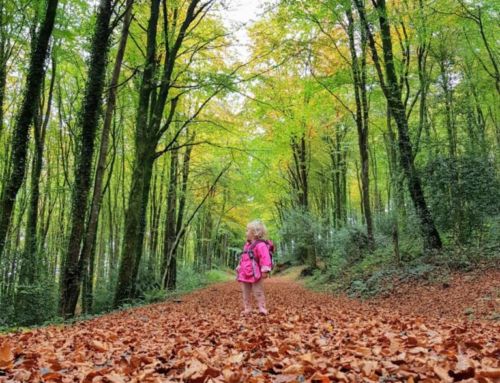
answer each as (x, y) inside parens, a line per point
(252, 247)
(256, 242)
(251, 253)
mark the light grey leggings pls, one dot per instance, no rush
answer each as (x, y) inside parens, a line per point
(258, 292)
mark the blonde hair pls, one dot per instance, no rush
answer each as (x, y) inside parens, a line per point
(258, 229)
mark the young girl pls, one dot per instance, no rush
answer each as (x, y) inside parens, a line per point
(255, 264)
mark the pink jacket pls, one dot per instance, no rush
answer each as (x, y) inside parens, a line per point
(262, 263)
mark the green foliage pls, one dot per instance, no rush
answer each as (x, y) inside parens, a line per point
(362, 273)
(7, 312)
(463, 194)
(155, 295)
(189, 279)
(216, 276)
(35, 304)
(302, 232)
(103, 297)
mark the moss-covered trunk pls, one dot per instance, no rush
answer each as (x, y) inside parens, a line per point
(27, 110)
(88, 119)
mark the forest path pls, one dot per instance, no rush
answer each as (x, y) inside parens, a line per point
(307, 337)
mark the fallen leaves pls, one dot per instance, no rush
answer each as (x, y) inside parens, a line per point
(491, 373)
(98, 346)
(198, 372)
(465, 295)
(6, 356)
(307, 338)
(464, 369)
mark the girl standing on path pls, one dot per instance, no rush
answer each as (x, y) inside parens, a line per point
(255, 264)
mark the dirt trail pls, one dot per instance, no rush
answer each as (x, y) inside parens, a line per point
(307, 337)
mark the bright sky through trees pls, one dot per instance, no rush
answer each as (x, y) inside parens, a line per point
(238, 15)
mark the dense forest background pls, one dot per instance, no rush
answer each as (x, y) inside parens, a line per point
(136, 143)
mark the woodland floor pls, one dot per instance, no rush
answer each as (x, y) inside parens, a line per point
(423, 333)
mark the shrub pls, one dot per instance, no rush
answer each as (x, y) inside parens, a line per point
(463, 193)
(35, 304)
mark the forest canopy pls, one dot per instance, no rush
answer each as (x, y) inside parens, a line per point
(137, 141)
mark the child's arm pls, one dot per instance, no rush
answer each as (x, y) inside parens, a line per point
(264, 259)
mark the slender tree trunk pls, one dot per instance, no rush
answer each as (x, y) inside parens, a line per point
(392, 92)
(88, 119)
(142, 170)
(169, 263)
(337, 153)
(359, 75)
(3, 81)
(183, 195)
(30, 261)
(24, 119)
(423, 124)
(299, 172)
(477, 17)
(300, 178)
(396, 185)
(448, 102)
(171, 277)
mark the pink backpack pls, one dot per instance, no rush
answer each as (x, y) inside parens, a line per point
(270, 247)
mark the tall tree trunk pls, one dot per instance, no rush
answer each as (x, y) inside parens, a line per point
(300, 181)
(423, 76)
(30, 261)
(299, 172)
(392, 92)
(359, 75)
(91, 232)
(423, 124)
(448, 102)
(24, 119)
(396, 182)
(3, 80)
(88, 120)
(156, 215)
(171, 277)
(337, 154)
(142, 170)
(169, 264)
(135, 222)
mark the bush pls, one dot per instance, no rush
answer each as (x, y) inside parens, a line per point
(302, 232)
(188, 279)
(6, 313)
(463, 193)
(155, 295)
(103, 297)
(35, 304)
